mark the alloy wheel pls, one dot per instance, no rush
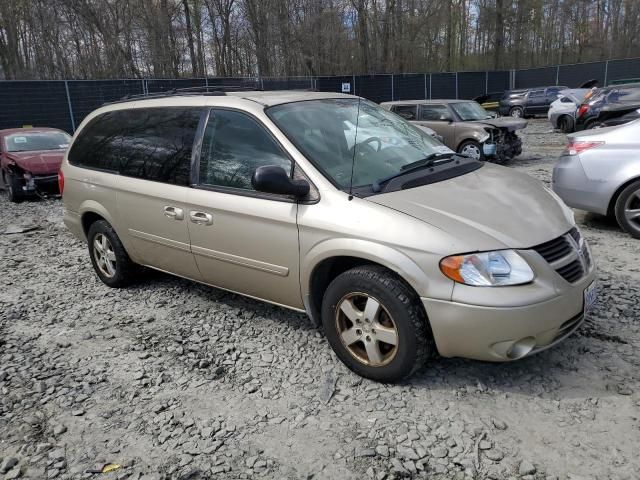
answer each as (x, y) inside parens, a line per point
(632, 209)
(516, 112)
(104, 255)
(471, 151)
(366, 329)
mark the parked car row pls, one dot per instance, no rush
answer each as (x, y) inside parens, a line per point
(581, 109)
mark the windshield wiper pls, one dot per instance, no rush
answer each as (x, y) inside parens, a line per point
(425, 162)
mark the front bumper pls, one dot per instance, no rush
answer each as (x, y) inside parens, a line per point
(501, 334)
(40, 184)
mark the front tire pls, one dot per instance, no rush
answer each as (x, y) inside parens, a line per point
(516, 112)
(375, 324)
(12, 185)
(627, 209)
(108, 256)
(472, 149)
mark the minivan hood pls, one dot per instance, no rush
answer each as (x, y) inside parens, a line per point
(38, 162)
(492, 207)
(511, 124)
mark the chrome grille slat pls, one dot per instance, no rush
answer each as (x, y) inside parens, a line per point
(568, 255)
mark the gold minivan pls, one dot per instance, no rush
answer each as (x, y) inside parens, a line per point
(331, 205)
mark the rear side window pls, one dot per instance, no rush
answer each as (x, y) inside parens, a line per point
(234, 145)
(536, 94)
(148, 143)
(434, 112)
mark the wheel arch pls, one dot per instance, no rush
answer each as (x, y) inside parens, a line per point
(91, 211)
(331, 258)
(616, 194)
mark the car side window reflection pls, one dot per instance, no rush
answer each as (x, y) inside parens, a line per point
(234, 145)
(434, 112)
(408, 112)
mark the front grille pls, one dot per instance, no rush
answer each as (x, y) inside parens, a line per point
(571, 272)
(554, 249)
(568, 255)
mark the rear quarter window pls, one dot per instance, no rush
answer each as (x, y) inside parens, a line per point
(148, 143)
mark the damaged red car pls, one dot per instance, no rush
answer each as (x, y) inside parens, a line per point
(30, 159)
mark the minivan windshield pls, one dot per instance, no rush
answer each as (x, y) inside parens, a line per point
(27, 142)
(468, 111)
(325, 132)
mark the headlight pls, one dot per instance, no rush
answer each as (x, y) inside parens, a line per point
(487, 269)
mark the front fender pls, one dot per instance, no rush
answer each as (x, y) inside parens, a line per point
(389, 257)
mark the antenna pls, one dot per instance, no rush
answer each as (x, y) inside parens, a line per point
(355, 143)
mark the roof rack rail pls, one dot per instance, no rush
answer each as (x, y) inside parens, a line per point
(213, 90)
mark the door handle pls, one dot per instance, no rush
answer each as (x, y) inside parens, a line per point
(201, 218)
(173, 212)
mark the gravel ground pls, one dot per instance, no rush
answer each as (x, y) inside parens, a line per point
(171, 379)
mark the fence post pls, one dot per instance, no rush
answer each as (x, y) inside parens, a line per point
(73, 122)
(486, 81)
(392, 87)
(606, 72)
(456, 85)
(430, 91)
(426, 95)
(557, 74)
(353, 78)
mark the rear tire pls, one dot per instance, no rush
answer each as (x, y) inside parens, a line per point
(590, 124)
(364, 311)
(108, 256)
(565, 123)
(627, 209)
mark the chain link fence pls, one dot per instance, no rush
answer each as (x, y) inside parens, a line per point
(64, 103)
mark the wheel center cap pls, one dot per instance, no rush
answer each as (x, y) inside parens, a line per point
(367, 328)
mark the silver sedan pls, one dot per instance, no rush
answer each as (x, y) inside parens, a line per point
(600, 172)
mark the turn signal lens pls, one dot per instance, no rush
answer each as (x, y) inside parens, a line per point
(487, 269)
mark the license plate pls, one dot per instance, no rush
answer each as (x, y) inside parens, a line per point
(590, 295)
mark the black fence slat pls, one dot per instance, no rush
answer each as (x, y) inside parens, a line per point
(623, 69)
(87, 95)
(410, 86)
(573, 76)
(36, 103)
(498, 81)
(443, 85)
(334, 84)
(471, 84)
(536, 77)
(376, 88)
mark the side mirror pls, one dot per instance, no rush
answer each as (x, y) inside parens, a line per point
(274, 179)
